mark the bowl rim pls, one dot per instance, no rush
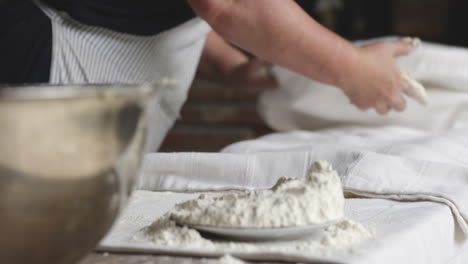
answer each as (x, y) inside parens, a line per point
(45, 91)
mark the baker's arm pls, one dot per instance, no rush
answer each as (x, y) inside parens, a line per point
(279, 31)
(222, 62)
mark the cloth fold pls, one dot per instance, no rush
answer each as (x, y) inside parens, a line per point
(387, 162)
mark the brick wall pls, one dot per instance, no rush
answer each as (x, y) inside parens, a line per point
(215, 116)
(428, 19)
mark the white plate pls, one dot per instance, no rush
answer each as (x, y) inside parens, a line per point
(265, 234)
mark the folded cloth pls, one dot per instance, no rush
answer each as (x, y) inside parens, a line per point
(387, 162)
(416, 233)
(301, 103)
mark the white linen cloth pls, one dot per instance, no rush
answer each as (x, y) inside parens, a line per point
(412, 233)
(388, 162)
(384, 163)
(303, 104)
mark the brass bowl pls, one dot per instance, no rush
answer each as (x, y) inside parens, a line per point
(69, 156)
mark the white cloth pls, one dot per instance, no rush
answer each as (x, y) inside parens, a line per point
(301, 103)
(388, 162)
(429, 170)
(410, 233)
(90, 54)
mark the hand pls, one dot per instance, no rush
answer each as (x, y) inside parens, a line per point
(376, 81)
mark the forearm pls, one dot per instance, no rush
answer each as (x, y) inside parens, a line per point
(279, 31)
(219, 58)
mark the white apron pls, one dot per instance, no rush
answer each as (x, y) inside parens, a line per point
(90, 54)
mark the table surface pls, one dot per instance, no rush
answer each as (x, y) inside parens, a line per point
(138, 259)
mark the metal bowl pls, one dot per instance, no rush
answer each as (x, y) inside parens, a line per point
(69, 156)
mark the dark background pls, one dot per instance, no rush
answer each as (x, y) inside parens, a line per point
(436, 20)
(217, 115)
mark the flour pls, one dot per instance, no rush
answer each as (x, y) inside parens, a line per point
(228, 259)
(315, 199)
(339, 238)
